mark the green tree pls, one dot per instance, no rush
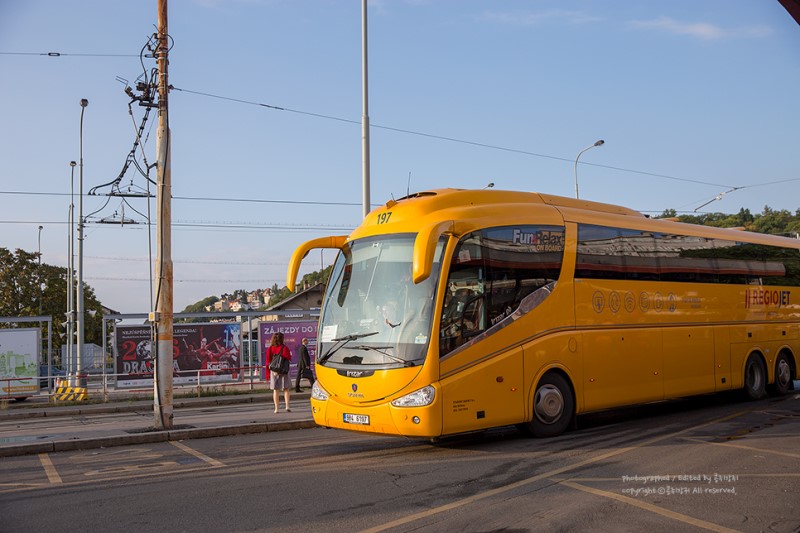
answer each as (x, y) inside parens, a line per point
(278, 295)
(199, 307)
(308, 280)
(771, 221)
(781, 222)
(25, 285)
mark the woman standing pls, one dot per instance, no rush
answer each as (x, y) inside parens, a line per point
(279, 381)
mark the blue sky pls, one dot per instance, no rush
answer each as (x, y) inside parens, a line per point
(691, 97)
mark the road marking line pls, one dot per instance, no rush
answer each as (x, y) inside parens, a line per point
(650, 507)
(731, 445)
(209, 460)
(49, 469)
(126, 469)
(521, 483)
(17, 486)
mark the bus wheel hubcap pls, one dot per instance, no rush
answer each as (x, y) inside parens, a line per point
(784, 373)
(549, 404)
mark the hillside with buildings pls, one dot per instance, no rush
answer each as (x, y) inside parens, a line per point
(255, 300)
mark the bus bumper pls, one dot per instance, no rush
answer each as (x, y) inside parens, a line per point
(382, 418)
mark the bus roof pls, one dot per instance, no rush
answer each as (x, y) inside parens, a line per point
(467, 203)
(431, 214)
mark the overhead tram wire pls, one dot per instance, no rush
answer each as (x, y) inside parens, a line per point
(64, 54)
(141, 280)
(205, 226)
(449, 139)
(389, 128)
(262, 201)
(309, 202)
(187, 262)
(206, 199)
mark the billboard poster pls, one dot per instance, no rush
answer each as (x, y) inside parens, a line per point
(208, 351)
(19, 362)
(293, 333)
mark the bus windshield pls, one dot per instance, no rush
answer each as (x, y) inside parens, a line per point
(374, 314)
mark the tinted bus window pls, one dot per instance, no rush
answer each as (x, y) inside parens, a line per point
(618, 253)
(491, 272)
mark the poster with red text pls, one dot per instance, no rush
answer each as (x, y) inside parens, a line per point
(208, 352)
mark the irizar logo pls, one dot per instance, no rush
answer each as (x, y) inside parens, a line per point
(355, 393)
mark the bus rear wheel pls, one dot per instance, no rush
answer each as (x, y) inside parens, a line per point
(755, 378)
(553, 406)
(783, 376)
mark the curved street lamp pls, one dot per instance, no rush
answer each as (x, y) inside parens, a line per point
(601, 142)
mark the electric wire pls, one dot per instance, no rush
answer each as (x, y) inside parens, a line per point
(450, 139)
(184, 262)
(64, 54)
(390, 128)
(198, 280)
(208, 199)
(191, 227)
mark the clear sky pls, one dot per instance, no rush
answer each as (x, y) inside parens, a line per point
(692, 98)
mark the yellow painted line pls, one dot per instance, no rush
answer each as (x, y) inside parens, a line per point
(649, 507)
(760, 450)
(49, 469)
(521, 483)
(129, 469)
(209, 460)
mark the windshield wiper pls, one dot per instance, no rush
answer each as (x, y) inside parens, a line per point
(344, 340)
(380, 349)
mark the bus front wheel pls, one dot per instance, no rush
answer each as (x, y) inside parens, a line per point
(755, 378)
(553, 406)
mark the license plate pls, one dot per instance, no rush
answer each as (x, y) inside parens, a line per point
(356, 419)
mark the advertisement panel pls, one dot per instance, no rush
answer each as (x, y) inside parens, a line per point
(19, 356)
(211, 351)
(293, 333)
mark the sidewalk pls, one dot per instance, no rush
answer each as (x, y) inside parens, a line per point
(51, 428)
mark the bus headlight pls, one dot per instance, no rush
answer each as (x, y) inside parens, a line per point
(318, 393)
(419, 398)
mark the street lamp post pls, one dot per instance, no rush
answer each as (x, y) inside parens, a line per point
(79, 299)
(71, 275)
(601, 142)
(365, 165)
(40, 271)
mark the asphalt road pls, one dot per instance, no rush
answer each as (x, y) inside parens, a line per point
(712, 463)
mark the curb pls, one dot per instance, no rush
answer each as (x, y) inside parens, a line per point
(151, 437)
(127, 407)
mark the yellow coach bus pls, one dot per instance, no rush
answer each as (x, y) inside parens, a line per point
(450, 311)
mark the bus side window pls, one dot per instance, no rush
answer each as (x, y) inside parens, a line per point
(463, 317)
(491, 272)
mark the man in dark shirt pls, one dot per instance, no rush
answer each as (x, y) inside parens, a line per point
(303, 366)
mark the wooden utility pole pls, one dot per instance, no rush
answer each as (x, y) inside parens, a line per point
(162, 405)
